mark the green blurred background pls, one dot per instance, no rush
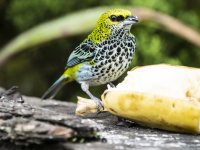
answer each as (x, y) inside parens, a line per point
(37, 68)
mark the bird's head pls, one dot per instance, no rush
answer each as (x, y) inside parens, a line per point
(111, 21)
(117, 18)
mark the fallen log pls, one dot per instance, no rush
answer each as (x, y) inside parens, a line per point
(25, 120)
(30, 123)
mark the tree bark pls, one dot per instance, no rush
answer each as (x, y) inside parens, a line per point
(29, 123)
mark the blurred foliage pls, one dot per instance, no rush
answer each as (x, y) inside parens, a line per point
(36, 69)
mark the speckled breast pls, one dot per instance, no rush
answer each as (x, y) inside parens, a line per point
(113, 58)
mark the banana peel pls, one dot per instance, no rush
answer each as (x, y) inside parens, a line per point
(158, 96)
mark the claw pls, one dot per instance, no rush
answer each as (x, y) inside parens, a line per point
(99, 104)
(85, 88)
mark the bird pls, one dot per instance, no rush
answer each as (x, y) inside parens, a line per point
(102, 57)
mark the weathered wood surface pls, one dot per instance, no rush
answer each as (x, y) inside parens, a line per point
(29, 123)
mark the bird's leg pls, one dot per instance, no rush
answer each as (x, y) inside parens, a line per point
(85, 88)
(111, 84)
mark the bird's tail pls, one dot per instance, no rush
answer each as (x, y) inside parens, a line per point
(53, 90)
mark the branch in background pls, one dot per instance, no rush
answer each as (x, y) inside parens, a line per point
(83, 21)
(73, 24)
(169, 23)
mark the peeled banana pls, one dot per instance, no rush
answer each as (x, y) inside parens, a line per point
(159, 96)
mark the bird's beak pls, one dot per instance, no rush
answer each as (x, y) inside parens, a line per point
(131, 20)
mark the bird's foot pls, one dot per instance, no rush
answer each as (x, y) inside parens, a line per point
(85, 88)
(99, 104)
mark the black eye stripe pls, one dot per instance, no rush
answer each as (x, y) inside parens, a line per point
(119, 18)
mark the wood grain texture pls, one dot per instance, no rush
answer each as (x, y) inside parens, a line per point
(50, 124)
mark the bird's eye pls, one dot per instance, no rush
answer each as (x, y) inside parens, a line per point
(113, 18)
(120, 18)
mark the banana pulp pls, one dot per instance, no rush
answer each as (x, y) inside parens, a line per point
(159, 96)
